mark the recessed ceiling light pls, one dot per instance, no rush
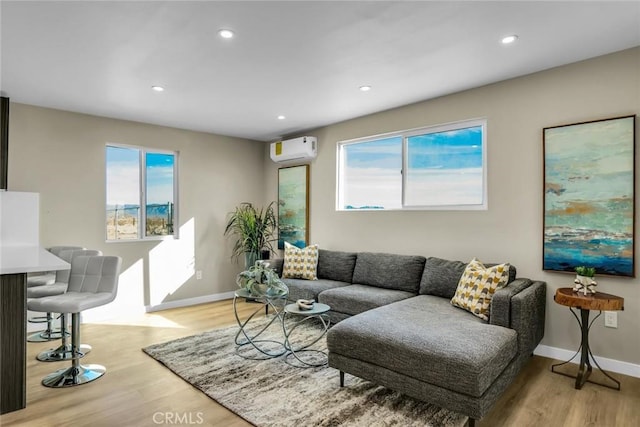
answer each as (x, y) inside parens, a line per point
(509, 39)
(226, 34)
(365, 88)
(157, 88)
(281, 117)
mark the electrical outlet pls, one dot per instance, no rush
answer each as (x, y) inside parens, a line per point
(199, 275)
(610, 319)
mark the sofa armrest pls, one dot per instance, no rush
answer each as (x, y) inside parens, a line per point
(500, 313)
(528, 316)
(521, 306)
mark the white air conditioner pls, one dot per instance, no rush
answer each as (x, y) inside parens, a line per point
(297, 149)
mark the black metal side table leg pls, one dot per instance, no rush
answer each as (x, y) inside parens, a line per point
(587, 356)
(585, 367)
(553, 367)
(583, 375)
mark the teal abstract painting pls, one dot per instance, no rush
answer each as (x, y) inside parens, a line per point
(589, 196)
(293, 206)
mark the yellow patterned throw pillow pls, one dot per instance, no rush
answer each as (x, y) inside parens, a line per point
(477, 286)
(300, 263)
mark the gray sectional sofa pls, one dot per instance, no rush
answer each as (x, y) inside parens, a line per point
(395, 326)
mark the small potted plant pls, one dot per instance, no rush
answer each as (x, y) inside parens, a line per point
(262, 281)
(584, 281)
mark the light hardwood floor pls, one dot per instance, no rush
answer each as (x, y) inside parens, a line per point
(138, 391)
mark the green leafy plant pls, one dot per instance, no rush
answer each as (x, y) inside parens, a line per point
(254, 229)
(585, 271)
(261, 280)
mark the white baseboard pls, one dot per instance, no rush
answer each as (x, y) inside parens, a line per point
(612, 365)
(189, 301)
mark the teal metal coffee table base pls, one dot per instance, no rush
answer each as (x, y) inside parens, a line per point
(318, 312)
(248, 338)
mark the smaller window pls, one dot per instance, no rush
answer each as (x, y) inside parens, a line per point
(141, 193)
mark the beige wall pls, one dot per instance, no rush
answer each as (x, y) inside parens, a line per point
(511, 229)
(61, 155)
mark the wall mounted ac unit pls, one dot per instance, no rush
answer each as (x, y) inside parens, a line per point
(296, 149)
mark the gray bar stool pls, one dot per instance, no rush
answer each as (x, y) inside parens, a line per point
(46, 278)
(58, 287)
(93, 282)
(64, 351)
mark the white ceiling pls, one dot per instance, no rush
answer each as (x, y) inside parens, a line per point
(303, 59)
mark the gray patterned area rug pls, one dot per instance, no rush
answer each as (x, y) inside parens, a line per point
(270, 393)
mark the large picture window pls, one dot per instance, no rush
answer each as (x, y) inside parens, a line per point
(439, 167)
(141, 193)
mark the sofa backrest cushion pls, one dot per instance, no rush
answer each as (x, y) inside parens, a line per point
(390, 271)
(336, 265)
(441, 276)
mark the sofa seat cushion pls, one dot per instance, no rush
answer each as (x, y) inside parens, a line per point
(391, 271)
(426, 338)
(355, 299)
(309, 289)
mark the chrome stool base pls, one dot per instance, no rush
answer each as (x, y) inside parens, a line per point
(73, 376)
(64, 352)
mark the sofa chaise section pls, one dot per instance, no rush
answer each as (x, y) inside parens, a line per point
(435, 352)
(423, 338)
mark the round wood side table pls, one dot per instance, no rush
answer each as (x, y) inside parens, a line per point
(585, 303)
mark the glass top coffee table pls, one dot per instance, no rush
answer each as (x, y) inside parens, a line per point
(318, 313)
(253, 334)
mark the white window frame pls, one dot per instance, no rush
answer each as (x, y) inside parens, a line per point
(405, 134)
(142, 191)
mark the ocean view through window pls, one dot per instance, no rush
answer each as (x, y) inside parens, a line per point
(438, 167)
(141, 186)
(371, 174)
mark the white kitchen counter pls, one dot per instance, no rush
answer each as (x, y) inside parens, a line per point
(29, 259)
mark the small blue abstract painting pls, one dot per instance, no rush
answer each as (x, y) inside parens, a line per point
(589, 195)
